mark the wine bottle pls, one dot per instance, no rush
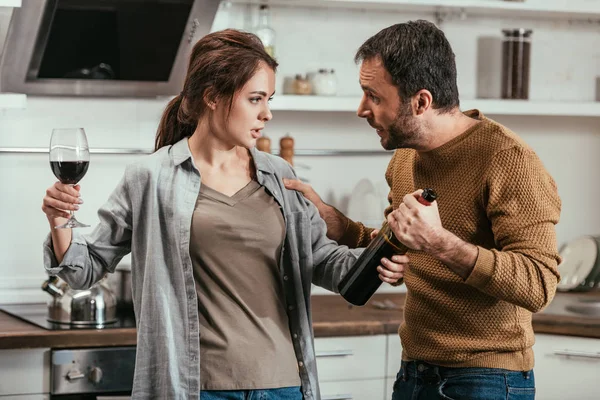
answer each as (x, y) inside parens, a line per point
(361, 282)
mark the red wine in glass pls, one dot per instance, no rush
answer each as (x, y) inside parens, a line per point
(69, 161)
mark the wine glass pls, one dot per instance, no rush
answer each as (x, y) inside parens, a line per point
(69, 161)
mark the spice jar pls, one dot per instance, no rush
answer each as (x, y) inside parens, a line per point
(286, 148)
(302, 85)
(263, 143)
(516, 54)
(324, 83)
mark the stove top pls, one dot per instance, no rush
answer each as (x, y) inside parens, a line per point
(36, 313)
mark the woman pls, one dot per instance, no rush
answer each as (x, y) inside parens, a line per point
(223, 256)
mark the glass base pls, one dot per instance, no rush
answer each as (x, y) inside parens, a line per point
(71, 223)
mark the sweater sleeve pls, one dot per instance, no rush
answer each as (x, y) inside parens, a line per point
(523, 207)
(358, 235)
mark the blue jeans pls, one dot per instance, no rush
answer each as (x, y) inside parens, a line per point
(286, 393)
(419, 380)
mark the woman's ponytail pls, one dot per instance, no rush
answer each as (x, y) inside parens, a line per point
(173, 124)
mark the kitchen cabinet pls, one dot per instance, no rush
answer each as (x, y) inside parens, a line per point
(393, 361)
(353, 390)
(24, 374)
(566, 367)
(351, 367)
(9, 100)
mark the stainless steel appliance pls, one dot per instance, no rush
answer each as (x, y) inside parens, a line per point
(96, 306)
(84, 373)
(103, 373)
(102, 47)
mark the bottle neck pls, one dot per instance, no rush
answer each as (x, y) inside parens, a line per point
(264, 18)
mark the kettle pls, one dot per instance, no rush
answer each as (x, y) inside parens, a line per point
(96, 306)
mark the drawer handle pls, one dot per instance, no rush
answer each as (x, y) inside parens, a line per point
(335, 353)
(572, 353)
(337, 397)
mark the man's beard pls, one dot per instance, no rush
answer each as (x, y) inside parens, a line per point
(404, 132)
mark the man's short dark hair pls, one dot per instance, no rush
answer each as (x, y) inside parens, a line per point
(418, 56)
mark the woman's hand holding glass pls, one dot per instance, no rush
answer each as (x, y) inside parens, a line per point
(61, 198)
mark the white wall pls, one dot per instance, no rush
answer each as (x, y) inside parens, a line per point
(565, 63)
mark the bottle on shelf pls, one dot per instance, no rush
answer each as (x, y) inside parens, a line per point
(361, 282)
(264, 30)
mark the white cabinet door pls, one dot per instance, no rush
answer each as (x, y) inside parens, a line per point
(567, 367)
(24, 372)
(350, 358)
(26, 397)
(394, 355)
(366, 389)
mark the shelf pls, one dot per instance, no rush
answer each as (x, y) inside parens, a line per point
(486, 106)
(537, 9)
(10, 3)
(12, 100)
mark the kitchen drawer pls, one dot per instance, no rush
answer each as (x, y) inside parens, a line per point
(24, 372)
(366, 389)
(394, 355)
(566, 367)
(349, 358)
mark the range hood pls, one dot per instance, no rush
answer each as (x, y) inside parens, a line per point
(119, 48)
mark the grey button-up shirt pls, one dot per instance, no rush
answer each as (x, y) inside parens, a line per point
(149, 214)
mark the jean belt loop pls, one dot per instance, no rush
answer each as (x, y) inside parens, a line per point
(404, 371)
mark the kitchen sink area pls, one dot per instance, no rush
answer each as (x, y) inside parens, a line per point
(585, 307)
(580, 305)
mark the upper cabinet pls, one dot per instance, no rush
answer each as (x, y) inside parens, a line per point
(8, 100)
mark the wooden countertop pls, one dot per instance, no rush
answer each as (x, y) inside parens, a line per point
(332, 316)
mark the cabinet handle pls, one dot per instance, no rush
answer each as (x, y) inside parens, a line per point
(337, 397)
(572, 353)
(334, 353)
(74, 374)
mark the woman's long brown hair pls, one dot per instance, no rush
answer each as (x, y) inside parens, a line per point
(220, 64)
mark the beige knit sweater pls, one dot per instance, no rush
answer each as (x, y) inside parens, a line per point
(495, 193)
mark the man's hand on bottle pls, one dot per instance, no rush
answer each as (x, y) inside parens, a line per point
(416, 225)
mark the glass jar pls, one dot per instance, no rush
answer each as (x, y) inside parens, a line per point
(302, 85)
(324, 83)
(516, 55)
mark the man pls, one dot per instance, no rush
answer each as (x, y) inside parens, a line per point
(483, 256)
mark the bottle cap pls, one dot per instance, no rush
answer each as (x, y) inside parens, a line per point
(429, 195)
